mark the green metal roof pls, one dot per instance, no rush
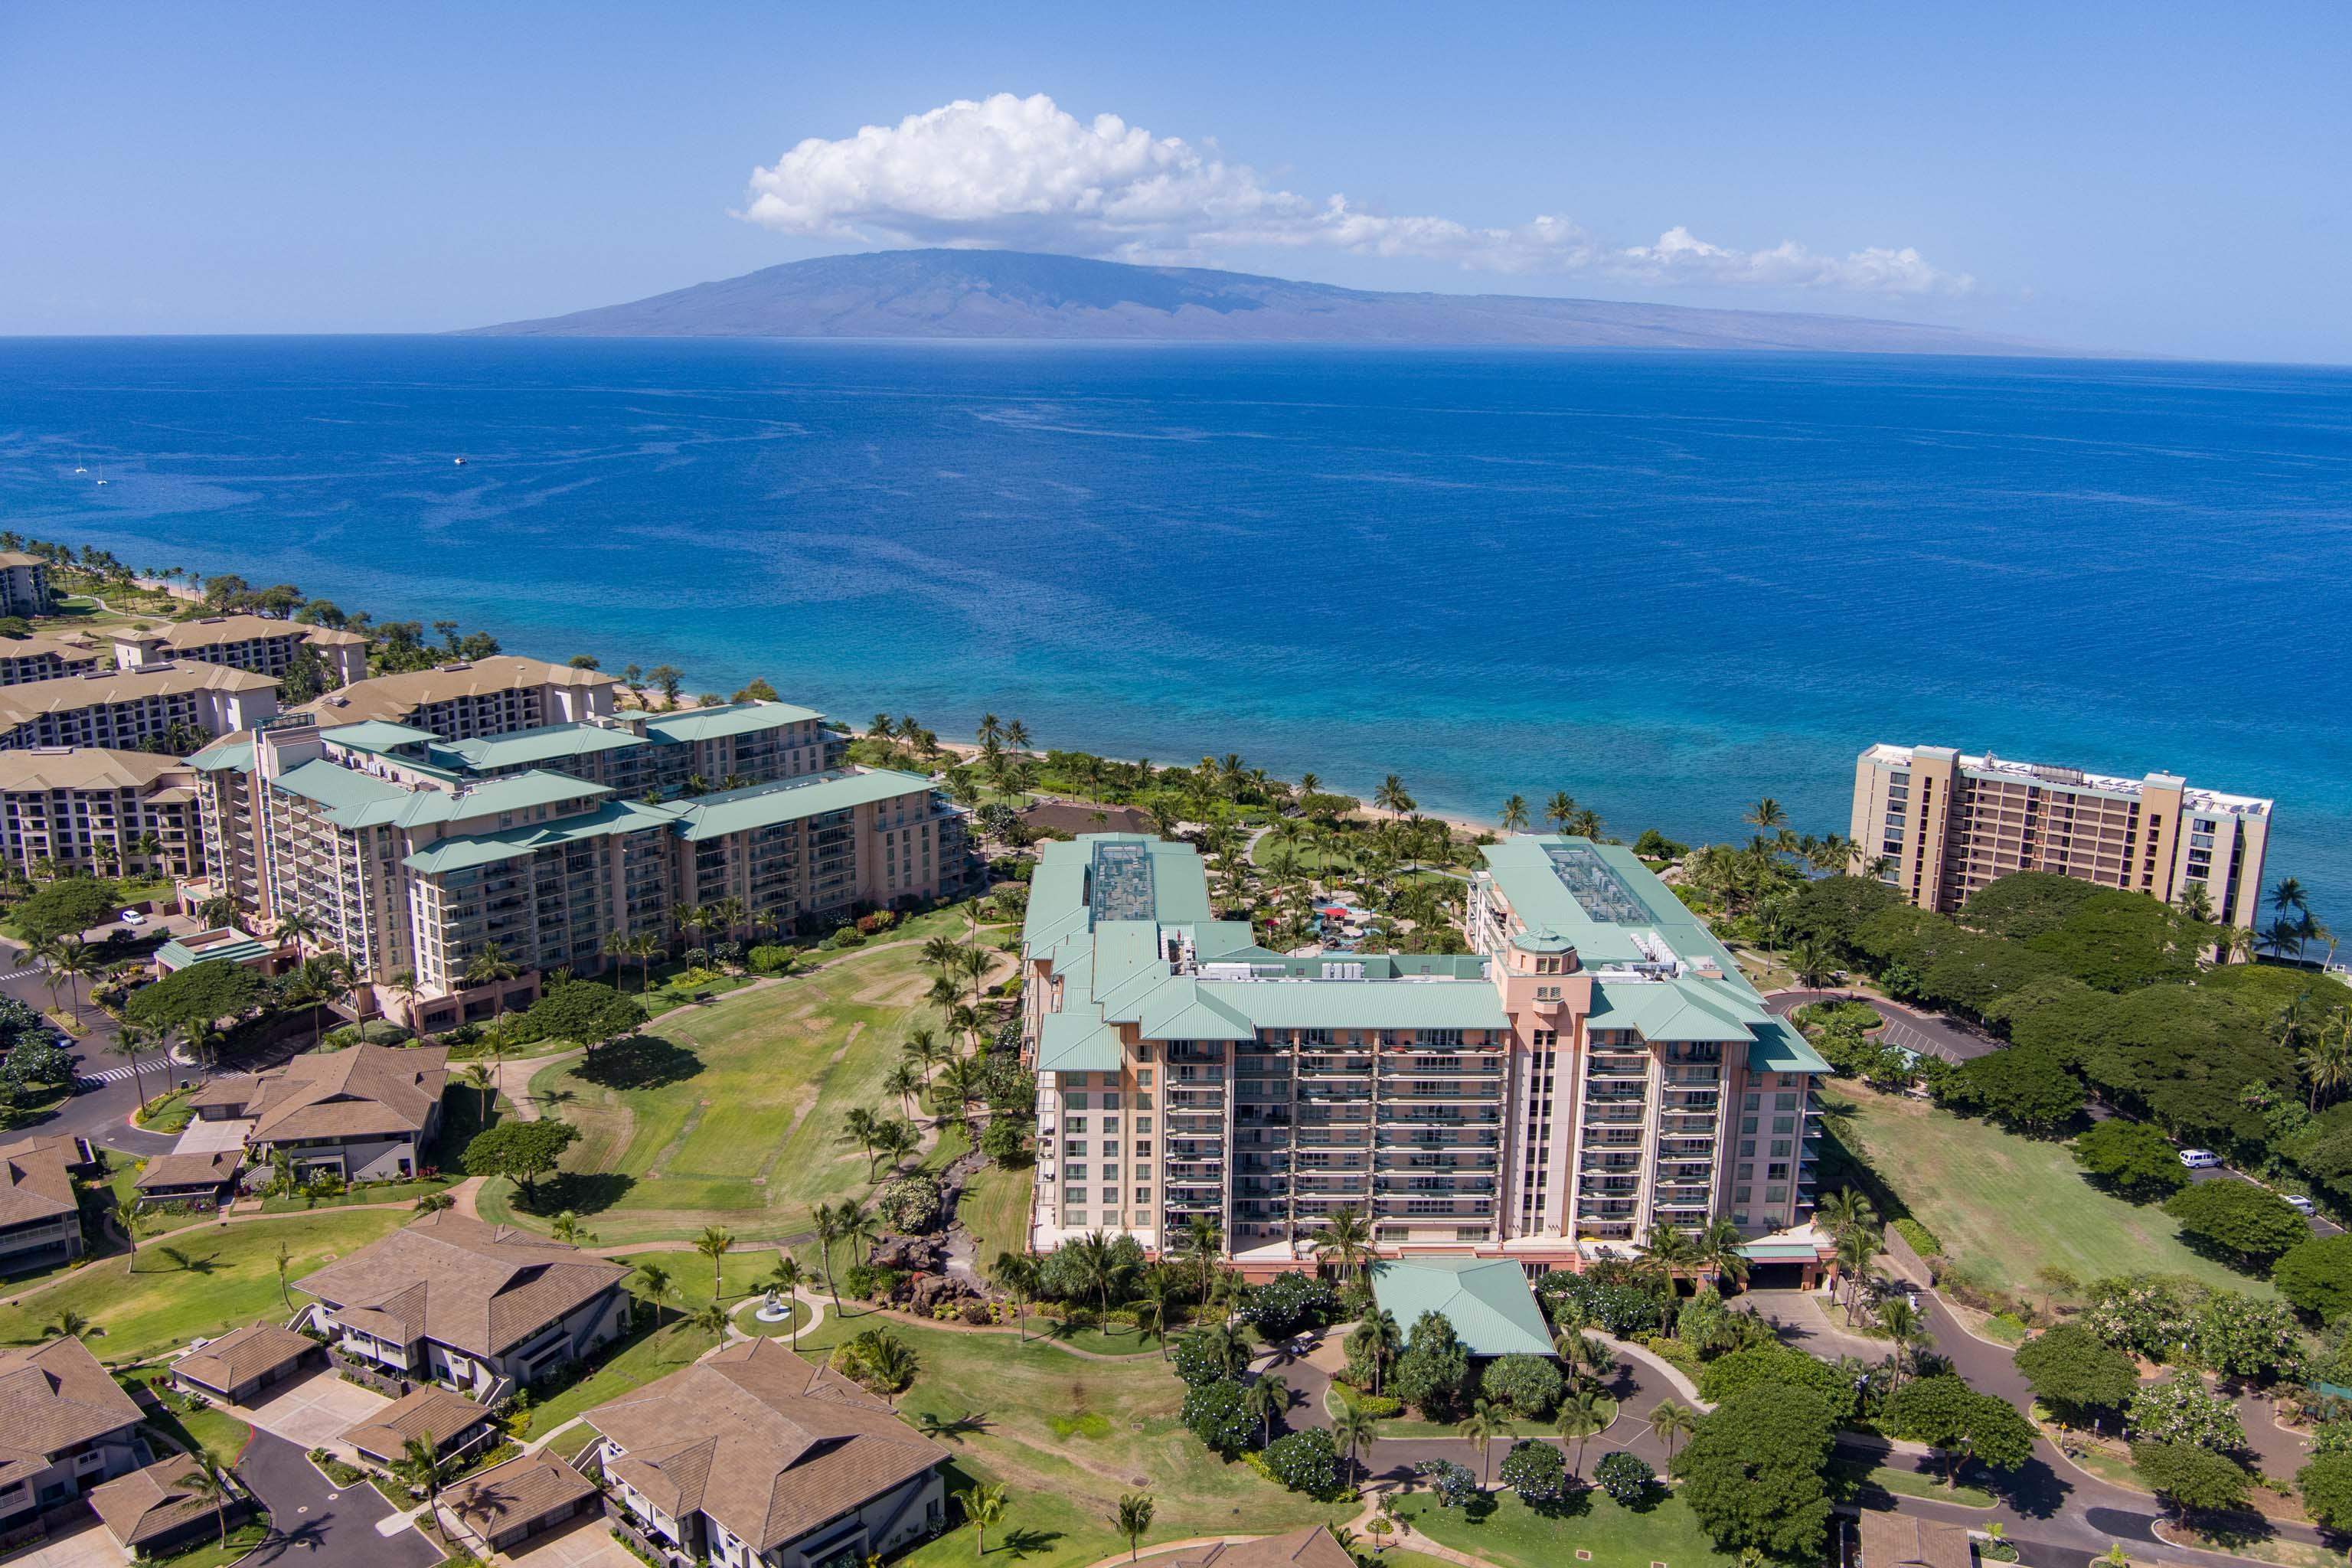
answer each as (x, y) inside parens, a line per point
(524, 748)
(1487, 1300)
(1778, 1048)
(224, 756)
(1360, 1004)
(376, 735)
(354, 799)
(1669, 1010)
(733, 719)
(1071, 1042)
(470, 849)
(174, 955)
(789, 800)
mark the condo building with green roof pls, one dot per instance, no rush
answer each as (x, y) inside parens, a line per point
(1597, 1069)
(416, 853)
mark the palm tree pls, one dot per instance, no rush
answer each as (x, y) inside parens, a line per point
(1766, 816)
(1202, 1241)
(1378, 1339)
(828, 1231)
(1669, 1421)
(857, 1225)
(403, 986)
(1848, 1208)
(491, 966)
(1481, 1426)
(1579, 1419)
(2290, 898)
(788, 1277)
(419, 1466)
(131, 1041)
(983, 1504)
(904, 1079)
(1588, 1359)
(645, 947)
(1134, 1519)
(1723, 1249)
(1345, 1239)
(1392, 796)
(2326, 1062)
(77, 964)
(893, 1141)
(654, 1283)
(285, 1268)
(1100, 1270)
(1515, 815)
(294, 927)
(711, 1318)
(713, 1244)
(857, 1127)
(476, 1077)
(1152, 1302)
(1264, 1398)
(71, 1325)
(1559, 810)
(1855, 1249)
(1355, 1429)
(567, 1229)
(1815, 964)
(1015, 1274)
(208, 1479)
(1669, 1253)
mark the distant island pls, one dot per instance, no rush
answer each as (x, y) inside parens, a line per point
(1007, 294)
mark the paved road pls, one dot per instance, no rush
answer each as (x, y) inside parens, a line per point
(1930, 1033)
(317, 1524)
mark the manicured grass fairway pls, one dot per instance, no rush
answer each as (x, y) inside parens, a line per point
(745, 1134)
(2007, 1206)
(1512, 1535)
(1064, 1487)
(995, 1209)
(229, 1279)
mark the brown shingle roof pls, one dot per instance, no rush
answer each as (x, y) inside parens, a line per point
(1899, 1540)
(1313, 1547)
(1067, 816)
(138, 1507)
(431, 1413)
(338, 1094)
(397, 696)
(68, 693)
(34, 1182)
(516, 1493)
(244, 1354)
(189, 1171)
(765, 1443)
(475, 1286)
(51, 1397)
(208, 630)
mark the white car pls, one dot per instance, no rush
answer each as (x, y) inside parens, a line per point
(133, 917)
(2298, 1202)
(2199, 1159)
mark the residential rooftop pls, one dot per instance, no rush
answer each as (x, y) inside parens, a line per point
(397, 696)
(82, 767)
(2056, 775)
(478, 1287)
(105, 688)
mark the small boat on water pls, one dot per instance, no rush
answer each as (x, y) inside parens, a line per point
(461, 462)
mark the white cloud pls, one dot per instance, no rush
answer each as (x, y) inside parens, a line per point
(1022, 173)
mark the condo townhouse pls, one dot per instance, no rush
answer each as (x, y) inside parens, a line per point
(753, 1458)
(1596, 1068)
(366, 1113)
(40, 1211)
(88, 808)
(414, 851)
(70, 1428)
(475, 1308)
(131, 709)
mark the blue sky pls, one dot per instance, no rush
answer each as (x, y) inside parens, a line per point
(2164, 178)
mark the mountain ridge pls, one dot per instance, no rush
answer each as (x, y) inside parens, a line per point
(1013, 295)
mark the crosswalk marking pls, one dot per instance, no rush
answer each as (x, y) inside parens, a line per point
(33, 974)
(110, 1074)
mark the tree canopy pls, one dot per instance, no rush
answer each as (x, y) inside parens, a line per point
(67, 907)
(191, 1000)
(2250, 1224)
(587, 1014)
(1957, 1421)
(1754, 1472)
(2315, 1274)
(2075, 1373)
(2027, 1089)
(2191, 1478)
(520, 1151)
(2132, 1158)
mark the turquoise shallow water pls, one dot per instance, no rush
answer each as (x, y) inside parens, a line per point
(1665, 584)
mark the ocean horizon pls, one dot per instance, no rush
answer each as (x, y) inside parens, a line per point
(1666, 582)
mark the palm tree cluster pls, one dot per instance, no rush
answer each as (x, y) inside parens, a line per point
(1851, 1221)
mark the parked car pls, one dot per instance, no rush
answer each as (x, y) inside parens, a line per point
(2298, 1202)
(2199, 1159)
(133, 917)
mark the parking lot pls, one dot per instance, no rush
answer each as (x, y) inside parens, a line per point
(314, 1413)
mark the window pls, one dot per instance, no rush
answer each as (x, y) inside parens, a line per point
(1781, 1148)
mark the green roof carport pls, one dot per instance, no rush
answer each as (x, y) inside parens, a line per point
(1487, 1300)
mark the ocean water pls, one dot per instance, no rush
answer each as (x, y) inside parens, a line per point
(1667, 584)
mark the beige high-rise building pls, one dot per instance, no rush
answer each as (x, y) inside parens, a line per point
(1939, 824)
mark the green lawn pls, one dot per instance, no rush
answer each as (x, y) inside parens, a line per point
(643, 1357)
(376, 1193)
(1066, 1437)
(2006, 1206)
(210, 1428)
(167, 1112)
(995, 1209)
(1509, 1533)
(206, 1281)
(732, 1114)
